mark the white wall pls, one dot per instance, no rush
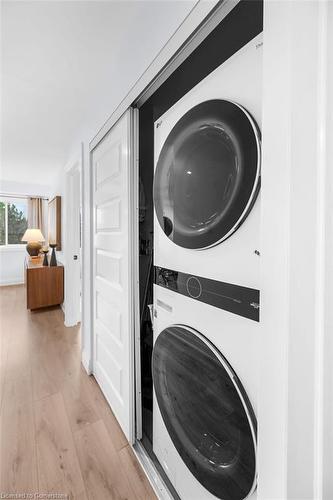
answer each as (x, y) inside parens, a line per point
(12, 265)
(12, 257)
(327, 429)
(294, 168)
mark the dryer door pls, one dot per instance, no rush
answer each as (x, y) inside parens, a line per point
(206, 412)
(207, 175)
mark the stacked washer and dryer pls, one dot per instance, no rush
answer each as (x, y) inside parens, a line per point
(206, 287)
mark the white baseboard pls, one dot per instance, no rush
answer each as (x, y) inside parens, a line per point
(69, 321)
(85, 359)
(12, 282)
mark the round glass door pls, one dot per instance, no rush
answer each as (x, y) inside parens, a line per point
(208, 174)
(206, 412)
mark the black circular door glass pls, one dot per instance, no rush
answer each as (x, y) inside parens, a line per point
(208, 174)
(206, 412)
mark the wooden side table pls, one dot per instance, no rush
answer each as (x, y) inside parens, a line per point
(45, 284)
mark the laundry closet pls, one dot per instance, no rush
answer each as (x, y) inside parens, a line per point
(179, 229)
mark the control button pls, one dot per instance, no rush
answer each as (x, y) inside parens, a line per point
(193, 287)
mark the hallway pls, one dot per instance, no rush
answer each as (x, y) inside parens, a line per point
(58, 434)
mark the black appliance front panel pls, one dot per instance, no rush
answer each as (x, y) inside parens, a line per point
(236, 299)
(206, 412)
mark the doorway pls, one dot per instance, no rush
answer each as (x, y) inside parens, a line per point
(243, 23)
(73, 225)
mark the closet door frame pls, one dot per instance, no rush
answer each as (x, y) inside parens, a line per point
(133, 257)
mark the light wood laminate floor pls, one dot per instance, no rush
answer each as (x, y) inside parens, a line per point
(58, 434)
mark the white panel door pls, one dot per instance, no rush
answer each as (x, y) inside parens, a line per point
(112, 230)
(76, 241)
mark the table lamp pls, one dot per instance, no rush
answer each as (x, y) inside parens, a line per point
(34, 238)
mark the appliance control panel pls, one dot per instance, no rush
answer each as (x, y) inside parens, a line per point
(233, 298)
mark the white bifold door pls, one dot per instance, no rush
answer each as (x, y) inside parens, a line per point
(113, 226)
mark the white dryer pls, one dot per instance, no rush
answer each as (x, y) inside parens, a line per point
(207, 174)
(206, 291)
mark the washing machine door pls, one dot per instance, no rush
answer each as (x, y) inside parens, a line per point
(208, 174)
(206, 412)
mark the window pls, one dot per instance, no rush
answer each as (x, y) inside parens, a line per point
(13, 220)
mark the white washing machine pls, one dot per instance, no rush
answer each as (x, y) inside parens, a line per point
(206, 291)
(205, 382)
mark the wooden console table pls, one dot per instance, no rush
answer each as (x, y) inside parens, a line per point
(45, 284)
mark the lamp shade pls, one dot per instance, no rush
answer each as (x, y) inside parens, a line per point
(32, 235)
